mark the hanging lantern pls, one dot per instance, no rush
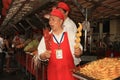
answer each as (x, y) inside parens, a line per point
(6, 3)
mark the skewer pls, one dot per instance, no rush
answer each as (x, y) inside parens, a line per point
(78, 35)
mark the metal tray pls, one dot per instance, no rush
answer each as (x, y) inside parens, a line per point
(81, 76)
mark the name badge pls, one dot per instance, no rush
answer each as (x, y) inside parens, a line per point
(59, 54)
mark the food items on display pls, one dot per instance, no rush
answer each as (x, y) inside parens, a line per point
(32, 46)
(78, 35)
(102, 69)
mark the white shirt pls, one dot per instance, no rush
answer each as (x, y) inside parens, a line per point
(1, 43)
(71, 38)
(69, 25)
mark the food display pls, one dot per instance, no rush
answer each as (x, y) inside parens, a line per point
(78, 35)
(102, 69)
(32, 46)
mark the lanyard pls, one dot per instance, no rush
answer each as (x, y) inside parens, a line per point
(57, 40)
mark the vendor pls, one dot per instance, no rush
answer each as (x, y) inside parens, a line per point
(68, 24)
(62, 56)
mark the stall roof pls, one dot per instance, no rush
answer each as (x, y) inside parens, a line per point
(96, 10)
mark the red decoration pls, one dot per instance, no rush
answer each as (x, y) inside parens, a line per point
(6, 3)
(9, 1)
(3, 11)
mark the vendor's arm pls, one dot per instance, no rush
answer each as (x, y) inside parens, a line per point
(43, 53)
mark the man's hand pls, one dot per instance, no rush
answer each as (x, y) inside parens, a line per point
(45, 55)
(78, 52)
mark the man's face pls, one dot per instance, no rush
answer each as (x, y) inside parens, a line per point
(55, 22)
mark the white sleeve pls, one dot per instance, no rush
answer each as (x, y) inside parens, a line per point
(41, 46)
(70, 26)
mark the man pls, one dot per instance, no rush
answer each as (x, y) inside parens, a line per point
(68, 24)
(61, 54)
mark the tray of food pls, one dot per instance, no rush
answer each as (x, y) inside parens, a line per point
(81, 76)
(102, 69)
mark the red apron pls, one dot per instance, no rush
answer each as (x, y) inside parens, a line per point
(61, 69)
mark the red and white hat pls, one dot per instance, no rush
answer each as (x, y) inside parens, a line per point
(64, 6)
(58, 13)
